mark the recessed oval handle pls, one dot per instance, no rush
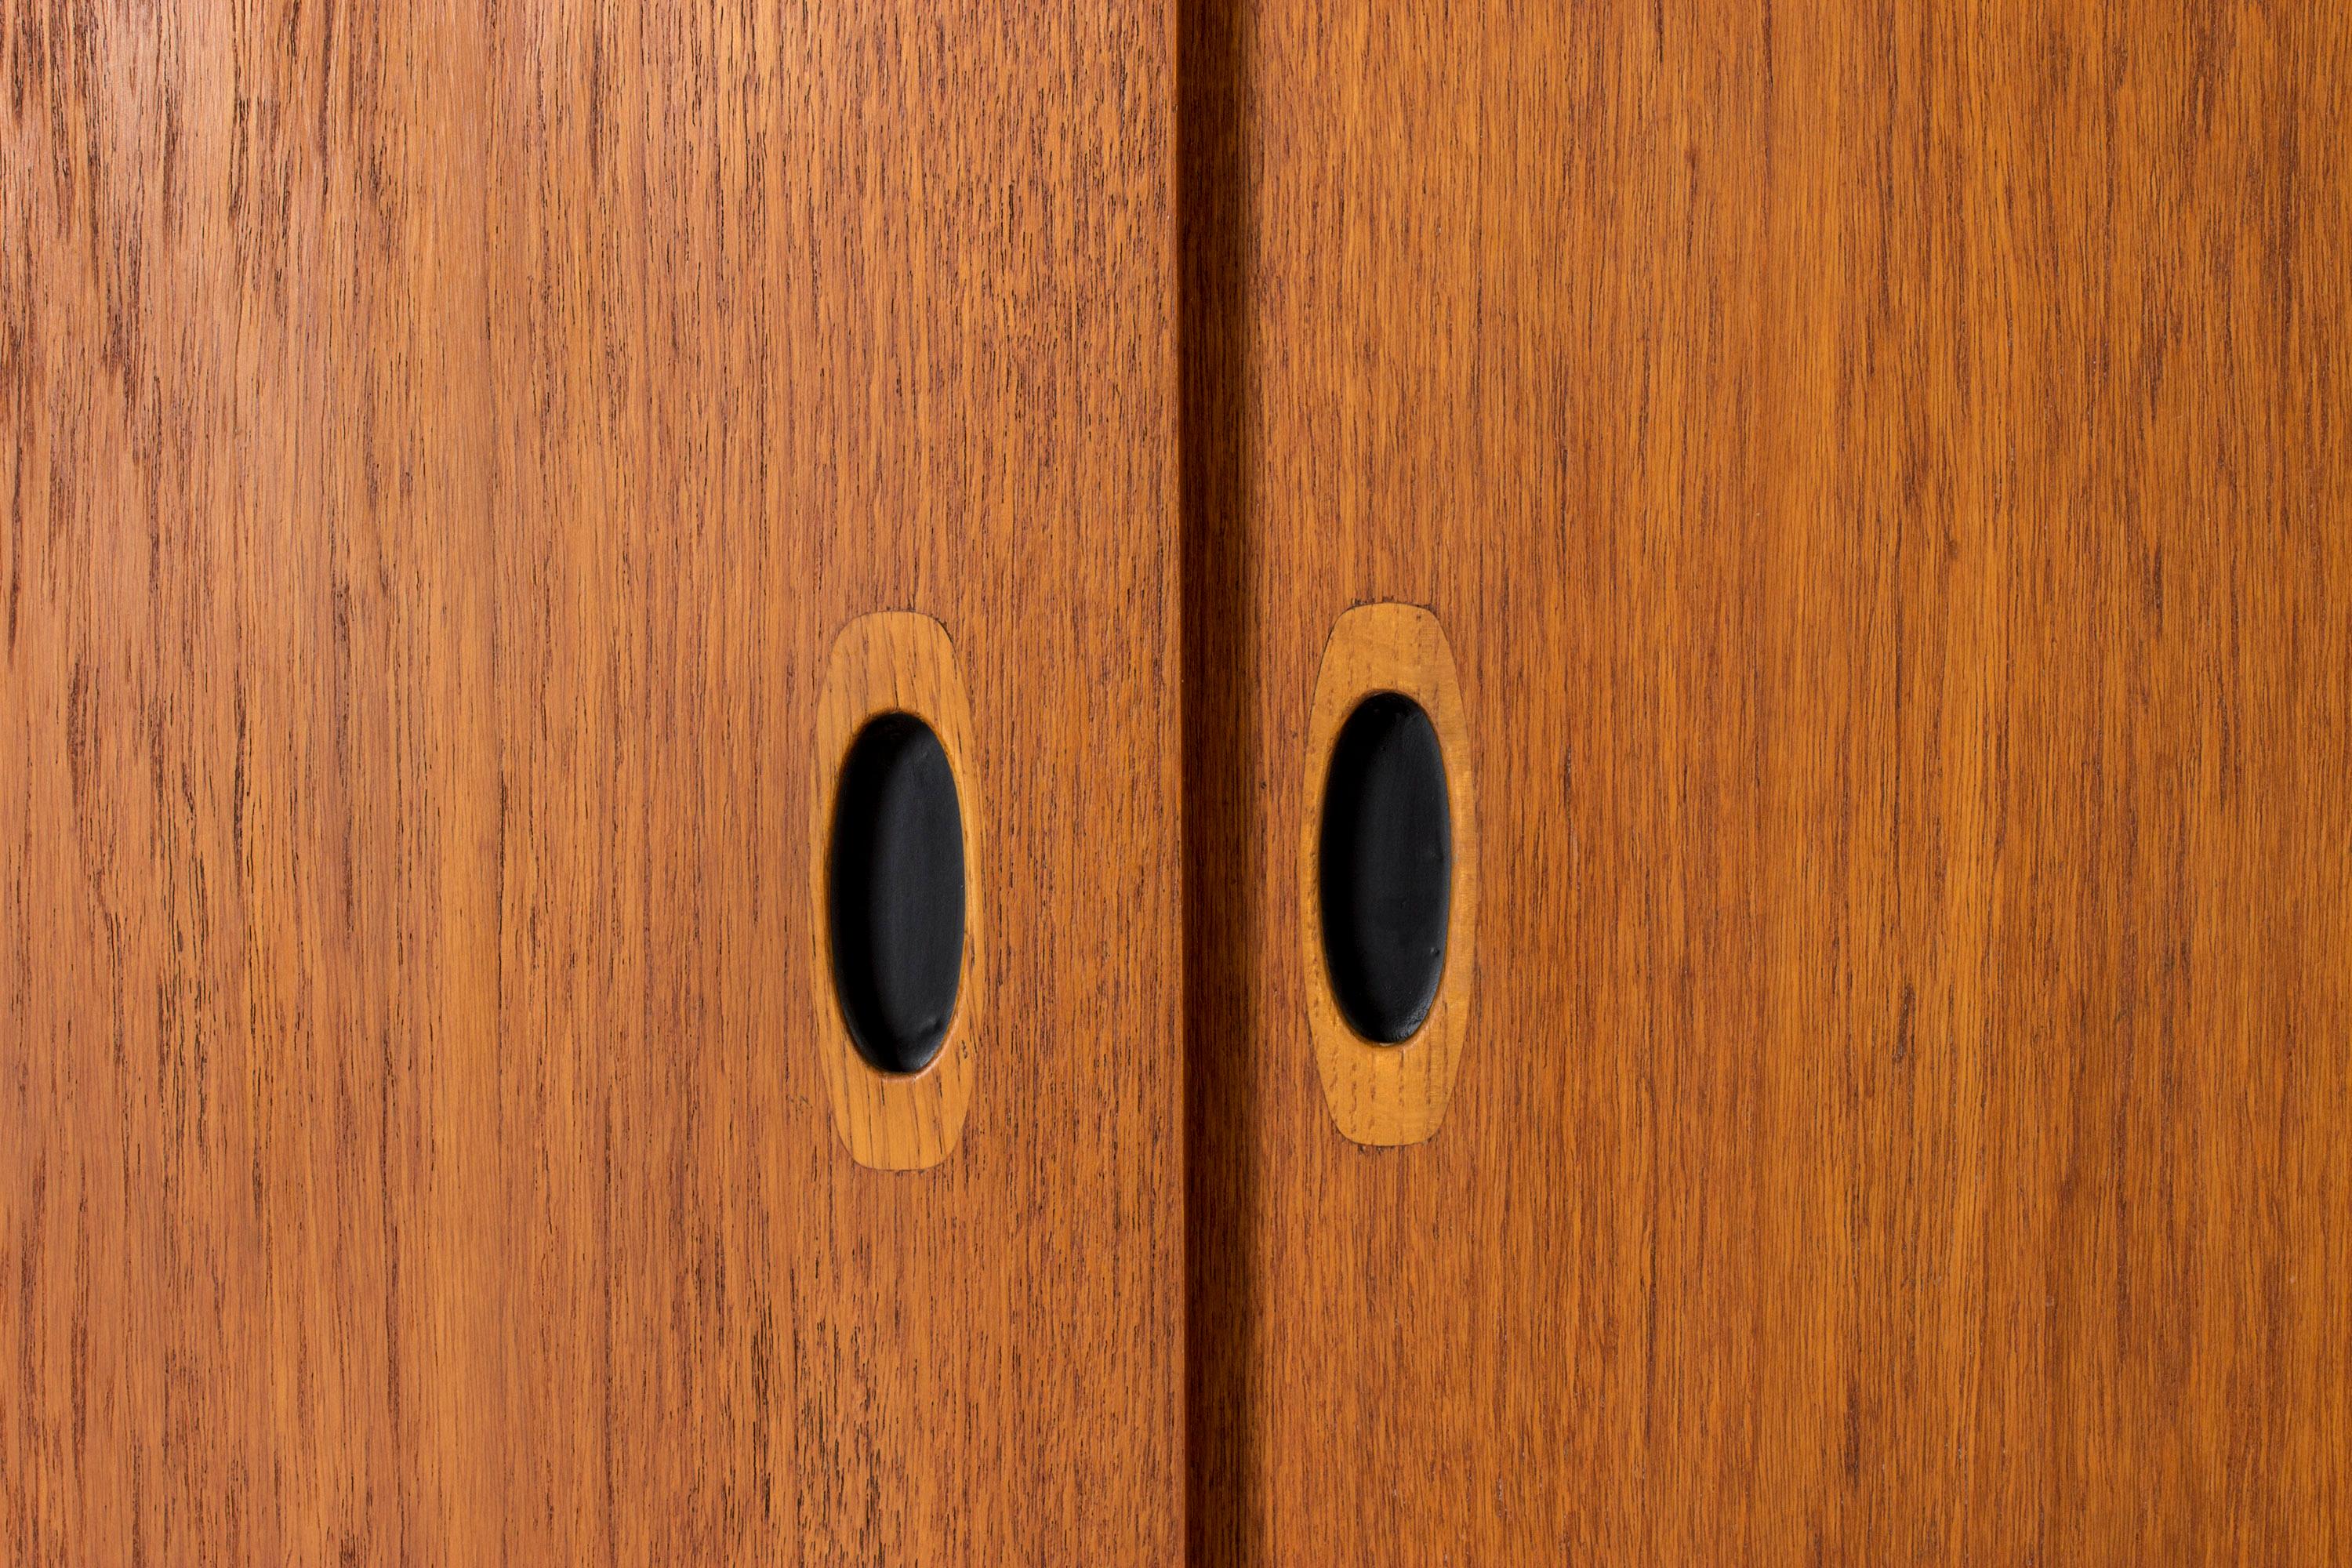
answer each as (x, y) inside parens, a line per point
(896, 902)
(1385, 868)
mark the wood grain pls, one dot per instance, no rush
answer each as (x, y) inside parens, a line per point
(1391, 1095)
(895, 661)
(1884, 471)
(436, 449)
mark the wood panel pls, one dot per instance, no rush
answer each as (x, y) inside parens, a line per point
(439, 450)
(1882, 470)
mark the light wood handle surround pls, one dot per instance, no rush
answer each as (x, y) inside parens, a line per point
(1390, 1094)
(895, 661)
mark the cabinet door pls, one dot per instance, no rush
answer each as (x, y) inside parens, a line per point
(1881, 475)
(444, 455)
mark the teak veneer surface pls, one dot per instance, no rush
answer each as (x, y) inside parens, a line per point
(1882, 470)
(1885, 472)
(437, 449)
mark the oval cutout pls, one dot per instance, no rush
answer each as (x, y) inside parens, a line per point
(1385, 862)
(896, 902)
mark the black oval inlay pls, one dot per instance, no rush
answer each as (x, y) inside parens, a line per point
(894, 879)
(1387, 868)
